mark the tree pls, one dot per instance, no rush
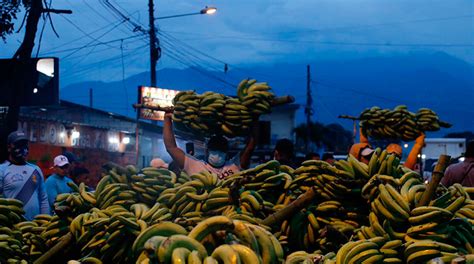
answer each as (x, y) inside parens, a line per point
(333, 136)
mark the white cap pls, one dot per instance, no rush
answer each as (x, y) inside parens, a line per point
(60, 161)
(158, 163)
(366, 152)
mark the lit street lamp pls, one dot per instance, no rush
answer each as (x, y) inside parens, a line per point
(206, 11)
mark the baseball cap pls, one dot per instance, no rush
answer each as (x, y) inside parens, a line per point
(16, 136)
(60, 161)
(366, 151)
(158, 163)
(357, 149)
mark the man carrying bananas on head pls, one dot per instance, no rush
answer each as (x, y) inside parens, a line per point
(217, 157)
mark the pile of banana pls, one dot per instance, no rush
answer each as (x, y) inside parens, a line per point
(217, 239)
(399, 123)
(362, 213)
(213, 113)
(11, 242)
(256, 96)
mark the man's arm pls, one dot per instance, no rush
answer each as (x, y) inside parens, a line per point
(446, 180)
(170, 142)
(413, 156)
(51, 192)
(246, 153)
(363, 138)
(43, 196)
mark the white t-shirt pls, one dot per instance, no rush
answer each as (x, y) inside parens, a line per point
(193, 166)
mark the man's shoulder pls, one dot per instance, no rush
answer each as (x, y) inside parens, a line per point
(33, 166)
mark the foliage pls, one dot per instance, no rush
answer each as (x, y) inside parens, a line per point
(333, 136)
(8, 15)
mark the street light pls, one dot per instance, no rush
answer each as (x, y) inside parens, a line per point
(205, 11)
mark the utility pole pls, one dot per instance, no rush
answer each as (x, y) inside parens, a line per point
(153, 49)
(308, 110)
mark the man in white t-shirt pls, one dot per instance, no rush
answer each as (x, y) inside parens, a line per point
(217, 158)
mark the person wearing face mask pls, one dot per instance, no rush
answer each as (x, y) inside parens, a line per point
(22, 180)
(57, 183)
(217, 160)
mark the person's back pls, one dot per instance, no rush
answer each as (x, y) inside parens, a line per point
(462, 172)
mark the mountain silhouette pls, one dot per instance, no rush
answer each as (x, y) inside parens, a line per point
(434, 80)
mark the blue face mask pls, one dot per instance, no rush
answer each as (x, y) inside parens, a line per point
(216, 158)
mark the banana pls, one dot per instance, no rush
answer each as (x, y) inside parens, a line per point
(165, 250)
(226, 254)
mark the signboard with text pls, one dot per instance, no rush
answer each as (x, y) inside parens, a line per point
(153, 96)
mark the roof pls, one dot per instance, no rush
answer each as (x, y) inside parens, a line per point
(445, 140)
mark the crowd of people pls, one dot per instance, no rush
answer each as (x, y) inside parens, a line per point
(24, 181)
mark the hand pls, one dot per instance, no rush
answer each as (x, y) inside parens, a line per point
(168, 115)
(420, 140)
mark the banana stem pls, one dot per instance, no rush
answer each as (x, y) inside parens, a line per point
(436, 176)
(60, 246)
(291, 209)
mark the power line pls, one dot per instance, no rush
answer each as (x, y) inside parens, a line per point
(92, 45)
(79, 38)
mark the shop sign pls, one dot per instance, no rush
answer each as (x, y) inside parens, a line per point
(153, 96)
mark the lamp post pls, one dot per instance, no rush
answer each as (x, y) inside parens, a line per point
(205, 11)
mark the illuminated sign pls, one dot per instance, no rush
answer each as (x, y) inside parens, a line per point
(152, 96)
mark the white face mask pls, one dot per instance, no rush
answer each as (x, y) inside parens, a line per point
(216, 158)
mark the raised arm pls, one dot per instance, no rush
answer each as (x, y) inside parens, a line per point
(413, 156)
(363, 138)
(170, 142)
(246, 153)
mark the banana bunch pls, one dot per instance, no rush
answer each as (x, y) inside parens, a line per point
(256, 96)
(151, 182)
(77, 202)
(101, 233)
(218, 239)
(11, 211)
(298, 257)
(428, 120)
(12, 249)
(326, 226)
(381, 250)
(237, 118)
(399, 123)
(211, 111)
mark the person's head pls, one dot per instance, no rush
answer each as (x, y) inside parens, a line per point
(158, 163)
(284, 150)
(362, 152)
(18, 148)
(61, 165)
(395, 149)
(469, 149)
(216, 152)
(312, 156)
(328, 157)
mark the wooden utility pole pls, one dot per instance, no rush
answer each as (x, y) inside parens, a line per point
(153, 42)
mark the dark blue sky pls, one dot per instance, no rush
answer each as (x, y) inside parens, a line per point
(247, 33)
